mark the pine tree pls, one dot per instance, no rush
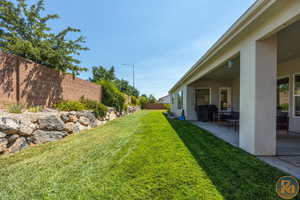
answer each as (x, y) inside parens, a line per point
(25, 32)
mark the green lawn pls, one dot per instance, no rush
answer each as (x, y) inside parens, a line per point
(141, 156)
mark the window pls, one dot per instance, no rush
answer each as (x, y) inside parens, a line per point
(180, 100)
(225, 98)
(297, 95)
(202, 96)
(283, 94)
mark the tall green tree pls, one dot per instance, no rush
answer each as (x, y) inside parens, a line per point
(25, 32)
(101, 73)
(126, 88)
(152, 99)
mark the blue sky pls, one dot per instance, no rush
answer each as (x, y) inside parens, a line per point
(163, 38)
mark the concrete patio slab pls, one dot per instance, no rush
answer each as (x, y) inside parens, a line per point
(225, 133)
(288, 146)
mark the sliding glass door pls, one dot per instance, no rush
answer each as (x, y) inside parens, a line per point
(202, 96)
(225, 99)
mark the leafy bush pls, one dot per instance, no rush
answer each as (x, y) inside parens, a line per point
(168, 107)
(112, 96)
(35, 108)
(134, 100)
(69, 106)
(15, 108)
(99, 109)
(143, 101)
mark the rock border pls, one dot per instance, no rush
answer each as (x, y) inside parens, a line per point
(19, 131)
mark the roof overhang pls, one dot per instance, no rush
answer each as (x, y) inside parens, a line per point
(241, 24)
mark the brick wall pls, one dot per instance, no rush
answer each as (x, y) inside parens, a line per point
(26, 82)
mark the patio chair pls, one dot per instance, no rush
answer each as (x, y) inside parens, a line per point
(231, 117)
(282, 121)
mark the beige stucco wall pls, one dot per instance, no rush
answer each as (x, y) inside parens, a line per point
(258, 73)
(215, 85)
(288, 69)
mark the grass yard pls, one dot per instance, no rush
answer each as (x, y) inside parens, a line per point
(141, 156)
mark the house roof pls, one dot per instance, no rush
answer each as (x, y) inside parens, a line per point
(249, 16)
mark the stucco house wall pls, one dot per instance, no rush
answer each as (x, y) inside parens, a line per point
(289, 69)
(254, 38)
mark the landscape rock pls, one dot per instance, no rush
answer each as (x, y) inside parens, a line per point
(17, 131)
(84, 120)
(40, 136)
(73, 118)
(2, 135)
(51, 123)
(71, 127)
(80, 127)
(25, 130)
(87, 114)
(12, 138)
(9, 125)
(18, 145)
(3, 144)
(65, 117)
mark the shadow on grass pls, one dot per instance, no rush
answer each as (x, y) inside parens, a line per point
(235, 173)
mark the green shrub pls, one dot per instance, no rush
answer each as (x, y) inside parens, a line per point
(98, 109)
(112, 96)
(35, 109)
(143, 101)
(134, 100)
(168, 107)
(15, 108)
(69, 106)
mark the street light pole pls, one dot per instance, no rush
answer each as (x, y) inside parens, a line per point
(132, 73)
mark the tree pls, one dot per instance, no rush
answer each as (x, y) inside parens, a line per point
(112, 95)
(24, 32)
(152, 99)
(101, 73)
(143, 100)
(124, 87)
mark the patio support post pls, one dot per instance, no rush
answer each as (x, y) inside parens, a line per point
(189, 103)
(258, 97)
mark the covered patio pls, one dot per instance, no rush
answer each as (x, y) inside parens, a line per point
(222, 88)
(287, 149)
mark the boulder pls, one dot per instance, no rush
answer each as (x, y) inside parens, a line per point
(9, 125)
(71, 127)
(3, 144)
(25, 130)
(40, 136)
(18, 145)
(12, 138)
(79, 127)
(2, 135)
(73, 118)
(84, 121)
(88, 114)
(51, 123)
(65, 117)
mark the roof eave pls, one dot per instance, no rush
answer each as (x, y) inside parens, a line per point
(236, 27)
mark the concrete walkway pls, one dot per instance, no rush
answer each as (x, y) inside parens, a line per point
(288, 146)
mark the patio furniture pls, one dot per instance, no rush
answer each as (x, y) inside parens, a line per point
(206, 113)
(282, 121)
(230, 117)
